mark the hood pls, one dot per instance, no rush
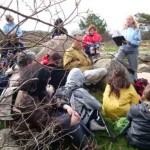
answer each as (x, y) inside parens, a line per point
(144, 110)
(75, 78)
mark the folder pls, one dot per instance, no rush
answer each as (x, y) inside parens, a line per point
(118, 40)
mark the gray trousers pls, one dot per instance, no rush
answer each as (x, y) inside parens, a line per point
(132, 58)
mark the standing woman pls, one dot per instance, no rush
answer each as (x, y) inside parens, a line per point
(130, 47)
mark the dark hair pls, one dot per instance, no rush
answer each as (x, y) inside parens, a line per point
(25, 58)
(119, 81)
(35, 87)
(58, 22)
(54, 56)
(146, 93)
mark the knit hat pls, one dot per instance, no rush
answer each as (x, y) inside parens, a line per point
(91, 27)
(9, 17)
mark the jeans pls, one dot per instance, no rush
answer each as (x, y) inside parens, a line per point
(131, 57)
(93, 46)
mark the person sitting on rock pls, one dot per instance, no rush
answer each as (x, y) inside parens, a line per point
(119, 95)
(75, 57)
(10, 48)
(91, 41)
(11, 26)
(36, 114)
(23, 60)
(138, 134)
(58, 74)
(59, 29)
(81, 100)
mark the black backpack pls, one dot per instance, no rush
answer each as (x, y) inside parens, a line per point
(65, 93)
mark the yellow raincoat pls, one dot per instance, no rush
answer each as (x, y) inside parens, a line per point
(75, 58)
(114, 107)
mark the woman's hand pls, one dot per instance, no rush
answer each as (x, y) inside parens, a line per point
(75, 118)
(89, 43)
(126, 42)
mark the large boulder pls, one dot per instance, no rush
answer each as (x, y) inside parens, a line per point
(59, 44)
(143, 68)
(110, 65)
(114, 64)
(102, 63)
(144, 75)
(145, 58)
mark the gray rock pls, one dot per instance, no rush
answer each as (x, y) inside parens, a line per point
(59, 44)
(114, 64)
(145, 58)
(110, 65)
(102, 63)
(143, 68)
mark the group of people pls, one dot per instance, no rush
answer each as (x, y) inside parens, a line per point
(54, 105)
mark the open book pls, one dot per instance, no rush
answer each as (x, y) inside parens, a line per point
(119, 40)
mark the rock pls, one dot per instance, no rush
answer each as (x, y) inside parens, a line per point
(144, 75)
(114, 64)
(145, 58)
(6, 142)
(143, 68)
(110, 65)
(102, 63)
(59, 44)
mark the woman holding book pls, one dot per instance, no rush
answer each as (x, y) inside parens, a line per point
(130, 46)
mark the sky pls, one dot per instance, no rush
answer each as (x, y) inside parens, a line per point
(113, 11)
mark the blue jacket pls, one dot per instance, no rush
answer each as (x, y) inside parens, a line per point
(134, 36)
(10, 26)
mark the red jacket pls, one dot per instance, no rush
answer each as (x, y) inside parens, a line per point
(44, 60)
(96, 38)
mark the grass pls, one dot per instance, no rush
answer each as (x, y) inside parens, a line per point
(105, 143)
(110, 46)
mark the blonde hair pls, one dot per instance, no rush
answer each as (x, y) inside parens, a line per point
(135, 24)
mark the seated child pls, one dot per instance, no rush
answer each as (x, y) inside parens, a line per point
(139, 115)
(82, 101)
(37, 114)
(119, 95)
(91, 41)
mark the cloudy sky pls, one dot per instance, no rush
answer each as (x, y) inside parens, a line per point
(113, 11)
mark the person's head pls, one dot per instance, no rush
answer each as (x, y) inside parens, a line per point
(91, 29)
(9, 18)
(25, 59)
(55, 58)
(130, 21)
(58, 22)
(75, 78)
(77, 41)
(146, 93)
(35, 87)
(118, 81)
(13, 38)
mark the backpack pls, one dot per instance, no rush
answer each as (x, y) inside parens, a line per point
(140, 85)
(65, 93)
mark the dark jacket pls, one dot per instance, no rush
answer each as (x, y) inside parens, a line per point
(58, 76)
(38, 114)
(139, 132)
(57, 32)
